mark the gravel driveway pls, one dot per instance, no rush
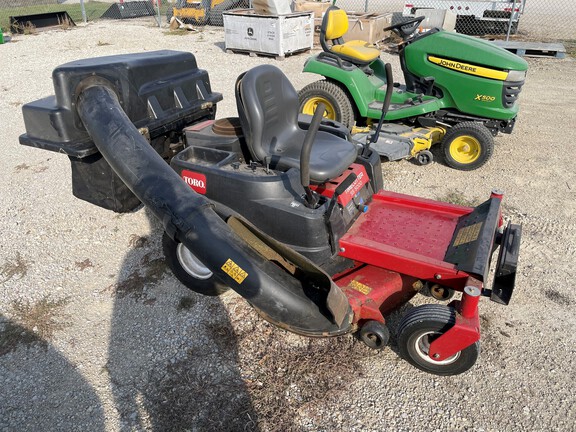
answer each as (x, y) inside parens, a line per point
(96, 334)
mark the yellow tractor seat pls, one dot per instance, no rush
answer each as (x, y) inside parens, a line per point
(334, 26)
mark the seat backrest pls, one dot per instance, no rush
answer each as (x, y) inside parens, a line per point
(334, 26)
(268, 110)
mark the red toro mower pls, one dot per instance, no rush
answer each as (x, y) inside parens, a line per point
(284, 209)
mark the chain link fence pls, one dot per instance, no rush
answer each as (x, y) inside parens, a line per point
(543, 20)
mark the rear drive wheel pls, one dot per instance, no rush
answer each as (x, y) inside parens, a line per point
(420, 327)
(189, 270)
(467, 146)
(338, 103)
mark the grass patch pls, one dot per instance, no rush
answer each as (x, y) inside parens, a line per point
(93, 11)
(32, 323)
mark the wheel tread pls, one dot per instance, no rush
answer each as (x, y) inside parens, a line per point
(336, 92)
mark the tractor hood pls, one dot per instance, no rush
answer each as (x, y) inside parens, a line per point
(467, 49)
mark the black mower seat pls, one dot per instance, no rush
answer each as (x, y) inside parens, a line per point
(268, 110)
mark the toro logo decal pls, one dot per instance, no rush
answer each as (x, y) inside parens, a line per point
(195, 180)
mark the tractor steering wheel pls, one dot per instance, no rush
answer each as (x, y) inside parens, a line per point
(405, 28)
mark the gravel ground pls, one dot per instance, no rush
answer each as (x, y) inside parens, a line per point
(96, 334)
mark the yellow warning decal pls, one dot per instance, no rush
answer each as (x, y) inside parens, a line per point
(234, 271)
(469, 69)
(364, 289)
(468, 234)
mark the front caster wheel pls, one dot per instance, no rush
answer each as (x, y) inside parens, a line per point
(420, 327)
(424, 157)
(189, 270)
(374, 334)
(440, 292)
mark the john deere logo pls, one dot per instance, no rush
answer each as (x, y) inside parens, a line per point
(250, 31)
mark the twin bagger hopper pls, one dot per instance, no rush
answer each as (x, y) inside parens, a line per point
(284, 209)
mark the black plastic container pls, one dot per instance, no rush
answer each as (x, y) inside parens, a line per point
(161, 92)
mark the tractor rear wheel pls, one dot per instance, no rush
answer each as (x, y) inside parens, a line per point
(420, 327)
(467, 146)
(338, 103)
(189, 270)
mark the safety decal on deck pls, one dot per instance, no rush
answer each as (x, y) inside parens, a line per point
(364, 289)
(468, 234)
(234, 271)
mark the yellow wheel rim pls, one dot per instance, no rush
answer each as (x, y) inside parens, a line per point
(311, 104)
(465, 149)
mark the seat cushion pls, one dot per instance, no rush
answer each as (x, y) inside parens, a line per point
(358, 50)
(330, 156)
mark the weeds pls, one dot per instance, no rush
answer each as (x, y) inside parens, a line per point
(65, 23)
(33, 323)
(25, 28)
(133, 286)
(137, 241)
(458, 198)
(18, 267)
(83, 265)
(186, 303)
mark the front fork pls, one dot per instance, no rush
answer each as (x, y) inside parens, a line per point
(466, 329)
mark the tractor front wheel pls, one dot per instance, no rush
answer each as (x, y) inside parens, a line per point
(189, 270)
(420, 327)
(333, 96)
(467, 146)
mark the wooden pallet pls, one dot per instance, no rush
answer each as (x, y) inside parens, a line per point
(533, 49)
(263, 54)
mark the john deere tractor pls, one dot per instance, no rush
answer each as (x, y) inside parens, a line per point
(459, 91)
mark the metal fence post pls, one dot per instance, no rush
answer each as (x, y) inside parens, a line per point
(512, 12)
(159, 16)
(83, 11)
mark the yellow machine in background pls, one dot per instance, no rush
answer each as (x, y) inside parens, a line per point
(201, 12)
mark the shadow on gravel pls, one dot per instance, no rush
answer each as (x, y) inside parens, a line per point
(172, 361)
(182, 361)
(57, 395)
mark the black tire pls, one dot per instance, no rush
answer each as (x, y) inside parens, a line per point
(424, 157)
(419, 327)
(169, 14)
(438, 292)
(374, 334)
(467, 146)
(204, 282)
(335, 97)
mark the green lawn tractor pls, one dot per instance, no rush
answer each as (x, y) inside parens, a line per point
(459, 91)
